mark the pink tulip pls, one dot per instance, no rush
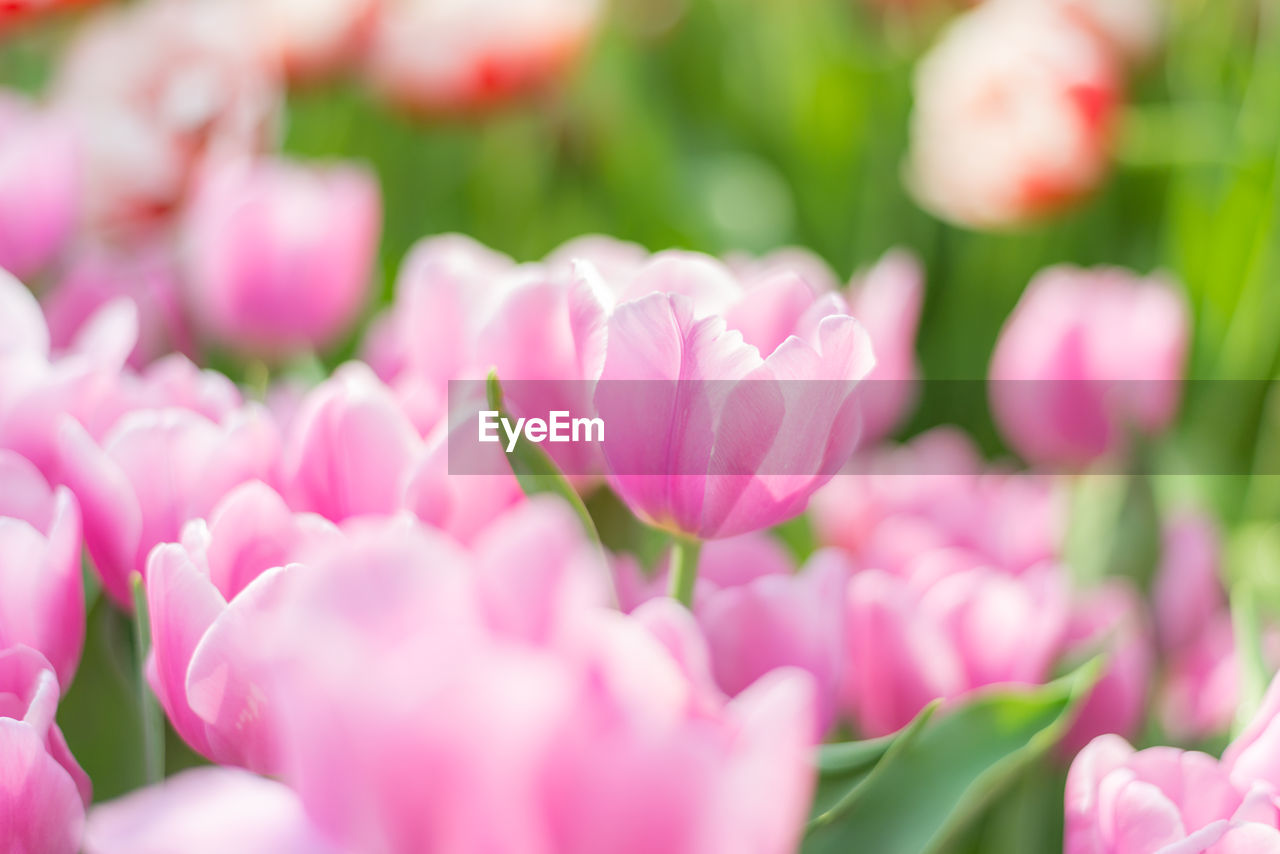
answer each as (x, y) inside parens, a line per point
(757, 613)
(1087, 357)
(910, 641)
(279, 255)
(896, 507)
(96, 276)
(578, 720)
(726, 406)
(461, 505)
(205, 811)
(41, 592)
(43, 792)
(350, 449)
(151, 119)
(1111, 620)
(39, 185)
(1187, 592)
(887, 299)
(1119, 801)
(1014, 110)
(450, 55)
(202, 593)
(154, 470)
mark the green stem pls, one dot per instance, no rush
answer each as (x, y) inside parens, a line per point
(151, 719)
(684, 568)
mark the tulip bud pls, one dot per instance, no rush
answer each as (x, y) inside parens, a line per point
(39, 185)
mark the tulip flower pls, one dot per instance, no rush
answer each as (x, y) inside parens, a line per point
(154, 470)
(1119, 801)
(451, 55)
(757, 613)
(279, 255)
(1087, 358)
(43, 792)
(1014, 110)
(152, 119)
(910, 641)
(201, 593)
(350, 450)
(191, 812)
(145, 274)
(602, 742)
(726, 406)
(41, 591)
(39, 185)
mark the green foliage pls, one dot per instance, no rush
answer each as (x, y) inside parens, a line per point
(917, 791)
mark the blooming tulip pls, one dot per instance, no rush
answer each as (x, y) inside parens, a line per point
(154, 470)
(150, 120)
(1119, 801)
(200, 593)
(1013, 117)
(205, 811)
(727, 407)
(448, 55)
(909, 641)
(589, 700)
(280, 255)
(43, 792)
(41, 592)
(39, 184)
(350, 449)
(1087, 357)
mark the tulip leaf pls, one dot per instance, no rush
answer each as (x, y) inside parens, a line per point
(935, 776)
(535, 470)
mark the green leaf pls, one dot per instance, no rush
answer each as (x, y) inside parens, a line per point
(535, 470)
(936, 776)
(842, 766)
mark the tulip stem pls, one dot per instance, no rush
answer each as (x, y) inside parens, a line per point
(684, 568)
(149, 710)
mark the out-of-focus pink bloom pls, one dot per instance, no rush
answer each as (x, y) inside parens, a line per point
(155, 470)
(39, 184)
(150, 119)
(351, 450)
(933, 499)
(145, 274)
(1163, 799)
(909, 641)
(579, 720)
(460, 505)
(1197, 639)
(1111, 620)
(1119, 801)
(1014, 110)
(1087, 357)
(887, 299)
(450, 55)
(758, 613)
(205, 811)
(279, 255)
(727, 406)
(200, 595)
(43, 792)
(312, 38)
(41, 592)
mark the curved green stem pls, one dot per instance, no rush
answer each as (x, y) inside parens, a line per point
(152, 719)
(684, 569)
